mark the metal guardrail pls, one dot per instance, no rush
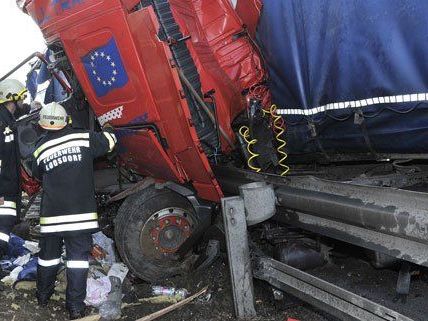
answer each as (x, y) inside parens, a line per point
(328, 297)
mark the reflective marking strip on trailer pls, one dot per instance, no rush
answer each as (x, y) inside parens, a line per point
(8, 204)
(58, 141)
(68, 227)
(4, 237)
(77, 264)
(68, 218)
(7, 211)
(47, 263)
(53, 150)
(354, 104)
(111, 140)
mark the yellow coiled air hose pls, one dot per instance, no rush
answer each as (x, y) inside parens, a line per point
(279, 129)
(244, 131)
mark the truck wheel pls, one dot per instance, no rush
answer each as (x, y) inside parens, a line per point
(149, 228)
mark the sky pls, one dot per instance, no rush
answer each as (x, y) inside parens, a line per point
(20, 37)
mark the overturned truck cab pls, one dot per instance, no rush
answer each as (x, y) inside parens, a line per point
(208, 95)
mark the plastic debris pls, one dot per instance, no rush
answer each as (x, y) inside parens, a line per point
(118, 270)
(98, 252)
(277, 294)
(6, 265)
(31, 246)
(205, 298)
(22, 260)
(159, 299)
(97, 290)
(106, 244)
(16, 246)
(96, 271)
(111, 309)
(29, 271)
(179, 294)
(13, 276)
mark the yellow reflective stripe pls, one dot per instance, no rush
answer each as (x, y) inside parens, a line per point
(4, 237)
(52, 142)
(48, 263)
(8, 204)
(23, 91)
(53, 150)
(77, 264)
(68, 227)
(68, 218)
(111, 140)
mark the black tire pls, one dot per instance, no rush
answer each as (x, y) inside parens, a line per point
(132, 216)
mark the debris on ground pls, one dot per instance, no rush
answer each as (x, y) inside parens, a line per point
(173, 307)
(25, 285)
(15, 306)
(119, 270)
(97, 290)
(105, 245)
(111, 308)
(159, 299)
(10, 279)
(178, 294)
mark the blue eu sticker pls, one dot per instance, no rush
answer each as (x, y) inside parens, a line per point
(105, 69)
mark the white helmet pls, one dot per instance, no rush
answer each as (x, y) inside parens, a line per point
(53, 117)
(12, 90)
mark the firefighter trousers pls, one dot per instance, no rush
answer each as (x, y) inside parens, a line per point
(9, 209)
(77, 254)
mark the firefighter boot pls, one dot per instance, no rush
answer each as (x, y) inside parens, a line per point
(75, 313)
(45, 284)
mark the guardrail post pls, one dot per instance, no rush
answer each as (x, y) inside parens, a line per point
(239, 256)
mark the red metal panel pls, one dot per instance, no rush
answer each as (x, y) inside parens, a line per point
(249, 11)
(142, 152)
(165, 86)
(130, 4)
(55, 16)
(224, 54)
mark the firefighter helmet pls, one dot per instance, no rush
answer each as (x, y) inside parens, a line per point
(53, 117)
(12, 90)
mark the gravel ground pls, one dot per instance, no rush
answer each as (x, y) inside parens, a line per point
(351, 273)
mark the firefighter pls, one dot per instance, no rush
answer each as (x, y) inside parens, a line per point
(12, 95)
(63, 161)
